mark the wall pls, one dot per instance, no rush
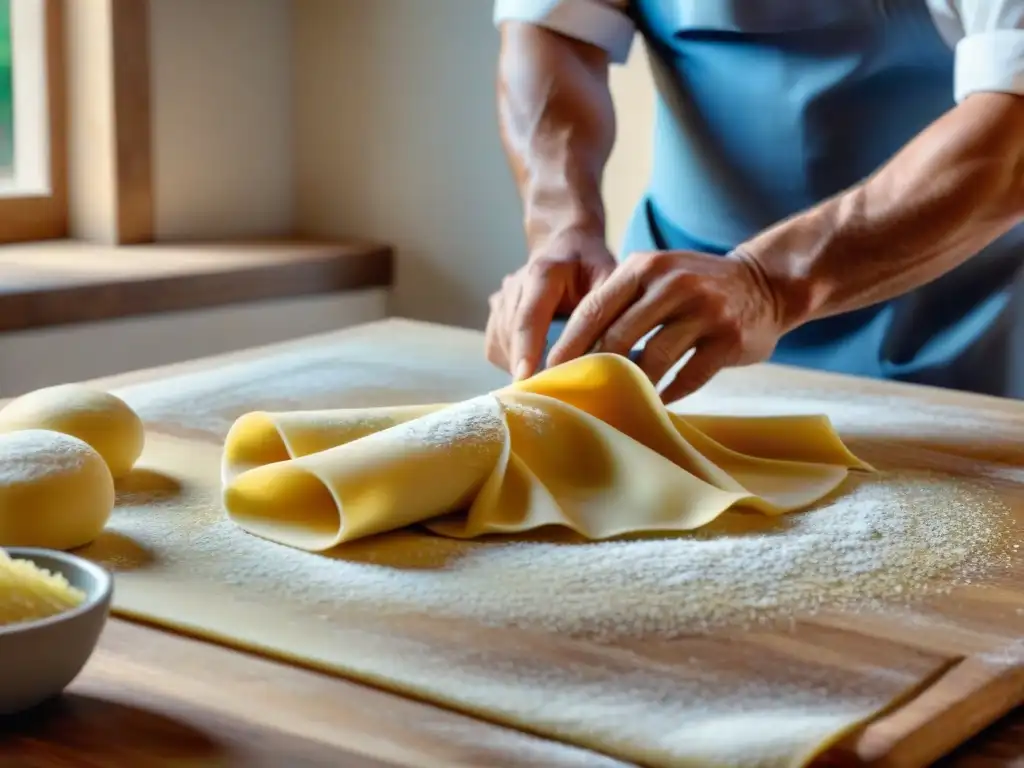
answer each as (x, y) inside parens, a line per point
(396, 138)
(222, 117)
(46, 356)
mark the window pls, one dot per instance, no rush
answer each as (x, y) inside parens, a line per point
(33, 186)
(6, 93)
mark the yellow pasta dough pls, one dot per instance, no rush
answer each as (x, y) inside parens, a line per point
(56, 491)
(29, 593)
(586, 445)
(99, 418)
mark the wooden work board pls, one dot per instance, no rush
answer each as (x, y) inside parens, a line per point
(967, 643)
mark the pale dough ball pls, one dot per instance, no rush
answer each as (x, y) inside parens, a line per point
(56, 492)
(104, 421)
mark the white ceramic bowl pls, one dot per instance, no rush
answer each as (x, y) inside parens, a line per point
(39, 659)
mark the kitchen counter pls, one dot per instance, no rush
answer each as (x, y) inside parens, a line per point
(152, 698)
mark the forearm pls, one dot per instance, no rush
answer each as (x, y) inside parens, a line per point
(953, 189)
(557, 127)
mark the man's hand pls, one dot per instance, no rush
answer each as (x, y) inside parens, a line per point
(557, 127)
(553, 282)
(721, 307)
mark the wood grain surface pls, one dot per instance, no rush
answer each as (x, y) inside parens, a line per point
(186, 702)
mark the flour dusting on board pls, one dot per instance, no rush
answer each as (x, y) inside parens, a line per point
(345, 374)
(884, 540)
(887, 540)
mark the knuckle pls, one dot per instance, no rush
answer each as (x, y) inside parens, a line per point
(615, 341)
(714, 304)
(524, 325)
(731, 331)
(544, 267)
(590, 312)
(525, 319)
(659, 357)
(661, 261)
(681, 281)
(494, 353)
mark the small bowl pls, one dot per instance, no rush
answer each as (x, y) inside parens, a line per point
(39, 659)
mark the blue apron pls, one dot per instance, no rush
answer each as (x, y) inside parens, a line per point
(766, 107)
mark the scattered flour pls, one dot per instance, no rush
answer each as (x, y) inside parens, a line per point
(344, 374)
(1010, 655)
(888, 539)
(27, 455)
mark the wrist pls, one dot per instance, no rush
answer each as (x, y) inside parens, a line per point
(787, 260)
(560, 216)
(562, 196)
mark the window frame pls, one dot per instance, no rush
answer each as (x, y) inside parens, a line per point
(44, 216)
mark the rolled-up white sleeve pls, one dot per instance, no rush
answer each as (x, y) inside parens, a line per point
(603, 23)
(990, 48)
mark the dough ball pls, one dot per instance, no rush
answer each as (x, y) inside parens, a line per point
(104, 421)
(56, 492)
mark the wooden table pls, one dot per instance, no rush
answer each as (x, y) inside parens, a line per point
(153, 698)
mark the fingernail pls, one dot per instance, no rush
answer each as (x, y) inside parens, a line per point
(522, 370)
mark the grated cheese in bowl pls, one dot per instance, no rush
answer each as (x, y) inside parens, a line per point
(31, 593)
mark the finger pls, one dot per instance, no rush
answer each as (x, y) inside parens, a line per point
(654, 307)
(509, 301)
(503, 303)
(493, 345)
(536, 309)
(666, 347)
(707, 360)
(496, 355)
(594, 314)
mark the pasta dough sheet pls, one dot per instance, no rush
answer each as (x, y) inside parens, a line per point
(586, 446)
(698, 701)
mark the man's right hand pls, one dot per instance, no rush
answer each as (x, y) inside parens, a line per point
(553, 282)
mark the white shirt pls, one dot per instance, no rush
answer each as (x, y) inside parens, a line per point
(986, 35)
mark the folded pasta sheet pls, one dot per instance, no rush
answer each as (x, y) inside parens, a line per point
(587, 445)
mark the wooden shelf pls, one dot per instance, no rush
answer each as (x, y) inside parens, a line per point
(60, 282)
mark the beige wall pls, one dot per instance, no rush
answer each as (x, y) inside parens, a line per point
(47, 356)
(222, 117)
(351, 118)
(396, 138)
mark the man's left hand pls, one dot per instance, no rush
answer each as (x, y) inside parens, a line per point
(724, 308)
